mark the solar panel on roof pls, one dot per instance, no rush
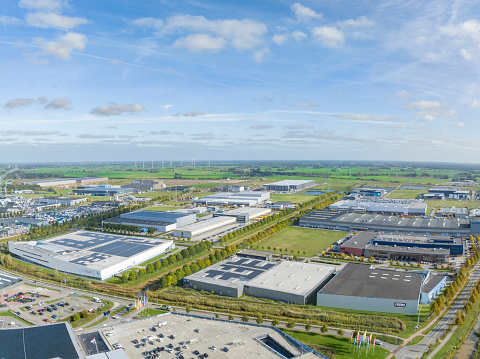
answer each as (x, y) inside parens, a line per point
(122, 249)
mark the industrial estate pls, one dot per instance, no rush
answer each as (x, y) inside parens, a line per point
(324, 265)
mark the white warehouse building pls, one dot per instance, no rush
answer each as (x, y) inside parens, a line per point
(200, 227)
(90, 254)
(289, 185)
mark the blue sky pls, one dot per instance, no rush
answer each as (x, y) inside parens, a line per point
(152, 80)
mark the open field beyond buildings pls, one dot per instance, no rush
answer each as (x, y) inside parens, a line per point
(341, 345)
(406, 193)
(294, 198)
(308, 240)
(161, 208)
(451, 203)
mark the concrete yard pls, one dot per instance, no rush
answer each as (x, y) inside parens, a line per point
(205, 335)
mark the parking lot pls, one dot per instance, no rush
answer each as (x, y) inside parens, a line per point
(37, 304)
(180, 337)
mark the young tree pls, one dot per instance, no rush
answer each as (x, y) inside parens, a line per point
(259, 319)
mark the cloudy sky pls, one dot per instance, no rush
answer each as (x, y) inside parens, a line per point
(252, 79)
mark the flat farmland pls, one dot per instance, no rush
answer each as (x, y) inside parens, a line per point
(308, 240)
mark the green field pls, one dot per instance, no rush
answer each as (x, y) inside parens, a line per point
(310, 240)
(341, 345)
(406, 193)
(451, 203)
(294, 198)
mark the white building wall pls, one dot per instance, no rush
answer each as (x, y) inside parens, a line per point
(368, 304)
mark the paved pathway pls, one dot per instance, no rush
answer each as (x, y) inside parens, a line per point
(417, 350)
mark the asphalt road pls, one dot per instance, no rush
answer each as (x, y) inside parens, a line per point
(416, 351)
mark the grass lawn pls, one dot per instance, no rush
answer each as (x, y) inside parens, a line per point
(342, 346)
(161, 208)
(294, 198)
(8, 314)
(310, 240)
(416, 340)
(406, 193)
(450, 203)
(150, 313)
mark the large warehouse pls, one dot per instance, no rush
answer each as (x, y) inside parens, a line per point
(285, 281)
(66, 181)
(288, 185)
(244, 215)
(69, 201)
(458, 227)
(234, 199)
(364, 287)
(197, 228)
(159, 220)
(90, 254)
(386, 206)
(402, 247)
(104, 191)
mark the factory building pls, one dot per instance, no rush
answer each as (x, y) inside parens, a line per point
(200, 227)
(432, 286)
(69, 201)
(105, 191)
(364, 287)
(451, 193)
(402, 247)
(234, 199)
(141, 185)
(66, 181)
(458, 227)
(288, 185)
(453, 212)
(369, 192)
(244, 215)
(160, 221)
(285, 281)
(387, 206)
(90, 254)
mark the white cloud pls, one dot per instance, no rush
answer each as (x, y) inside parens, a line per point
(361, 21)
(304, 13)
(424, 105)
(280, 39)
(41, 4)
(467, 55)
(299, 127)
(329, 36)
(166, 107)
(404, 95)
(472, 104)
(459, 124)
(362, 117)
(260, 54)
(117, 109)
(8, 20)
(46, 20)
(95, 136)
(63, 46)
(19, 102)
(194, 114)
(429, 117)
(29, 133)
(468, 29)
(58, 104)
(299, 35)
(148, 22)
(239, 34)
(200, 42)
(261, 127)
(306, 104)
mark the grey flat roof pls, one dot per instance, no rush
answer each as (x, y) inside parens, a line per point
(431, 282)
(382, 222)
(293, 277)
(6, 280)
(289, 182)
(140, 222)
(359, 240)
(363, 280)
(407, 250)
(155, 216)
